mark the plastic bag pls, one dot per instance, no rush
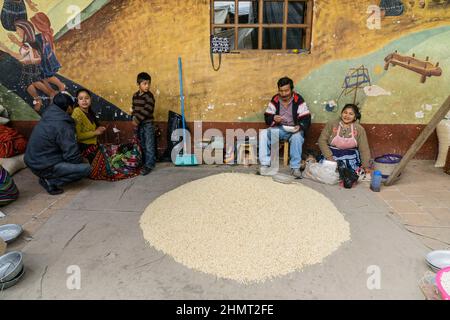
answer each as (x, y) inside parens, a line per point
(443, 133)
(321, 172)
(174, 122)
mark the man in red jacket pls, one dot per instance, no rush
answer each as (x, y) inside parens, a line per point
(288, 118)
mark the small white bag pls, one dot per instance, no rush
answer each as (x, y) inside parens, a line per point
(13, 164)
(443, 133)
(324, 172)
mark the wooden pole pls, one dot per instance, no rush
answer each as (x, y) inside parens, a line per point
(285, 21)
(236, 22)
(439, 115)
(260, 22)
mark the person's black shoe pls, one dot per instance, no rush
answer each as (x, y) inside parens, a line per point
(145, 171)
(51, 189)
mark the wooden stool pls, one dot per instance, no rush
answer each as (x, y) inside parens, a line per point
(286, 153)
(243, 148)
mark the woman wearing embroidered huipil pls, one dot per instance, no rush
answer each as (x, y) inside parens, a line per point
(345, 139)
(88, 130)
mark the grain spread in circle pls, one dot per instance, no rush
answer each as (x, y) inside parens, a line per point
(244, 227)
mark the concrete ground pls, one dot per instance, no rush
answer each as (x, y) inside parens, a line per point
(95, 226)
(421, 199)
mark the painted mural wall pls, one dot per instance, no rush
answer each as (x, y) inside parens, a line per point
(118, 39)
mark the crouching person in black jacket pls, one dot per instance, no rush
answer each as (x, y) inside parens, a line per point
(52, 152)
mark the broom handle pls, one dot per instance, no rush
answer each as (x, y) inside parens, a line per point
(180, 76)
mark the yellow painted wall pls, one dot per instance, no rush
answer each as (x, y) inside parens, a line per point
(126, 37)
(131, 36)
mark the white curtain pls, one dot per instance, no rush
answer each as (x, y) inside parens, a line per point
(221, 11)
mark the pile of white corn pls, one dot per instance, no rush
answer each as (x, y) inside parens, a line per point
(244, 227)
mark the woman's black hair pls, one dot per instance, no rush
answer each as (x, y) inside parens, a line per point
(83, 90)
(64, 100)
(355, 110)
(90, 111)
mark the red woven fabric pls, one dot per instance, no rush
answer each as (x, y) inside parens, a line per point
(12, 142)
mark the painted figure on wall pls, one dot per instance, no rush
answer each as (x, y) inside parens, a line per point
(14, 10)
(49, 63)
(36, 51)
(430, 3)
(423, 67)
(29, 56)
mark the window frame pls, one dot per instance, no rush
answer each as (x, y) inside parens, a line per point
(307, 26)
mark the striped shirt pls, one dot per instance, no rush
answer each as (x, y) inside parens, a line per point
(286, 114)
(143, 107)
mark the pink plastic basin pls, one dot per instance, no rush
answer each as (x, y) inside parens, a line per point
(445, 295)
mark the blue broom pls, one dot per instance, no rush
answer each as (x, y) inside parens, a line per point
(184, 159)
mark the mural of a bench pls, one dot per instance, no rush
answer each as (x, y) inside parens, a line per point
(424, 68)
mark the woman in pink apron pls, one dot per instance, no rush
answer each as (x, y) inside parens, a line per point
(345, 139)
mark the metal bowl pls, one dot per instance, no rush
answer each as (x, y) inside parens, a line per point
(10, 232)
(439, 259)
(10, 266)
(283, 178)
(435, 269)
(13, 282)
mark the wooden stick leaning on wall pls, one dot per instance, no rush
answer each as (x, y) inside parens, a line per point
(439, 115)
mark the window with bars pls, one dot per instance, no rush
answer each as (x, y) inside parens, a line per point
(262, 24)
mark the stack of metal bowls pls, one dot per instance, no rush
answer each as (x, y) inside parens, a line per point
(11, 269)
(11, 264)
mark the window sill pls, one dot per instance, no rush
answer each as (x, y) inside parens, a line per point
(287, 52)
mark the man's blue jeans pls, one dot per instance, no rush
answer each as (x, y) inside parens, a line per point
(146, 134)
(296, 141)
(64, 173)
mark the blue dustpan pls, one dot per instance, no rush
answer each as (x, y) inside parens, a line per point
(184, 159)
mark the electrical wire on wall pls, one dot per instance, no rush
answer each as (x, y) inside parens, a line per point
(219, 45)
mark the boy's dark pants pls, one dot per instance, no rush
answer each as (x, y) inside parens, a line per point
(146, 135)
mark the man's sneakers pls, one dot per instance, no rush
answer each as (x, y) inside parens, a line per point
(269, 171)
(145, 171)
(297, 173)
(51, 189)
